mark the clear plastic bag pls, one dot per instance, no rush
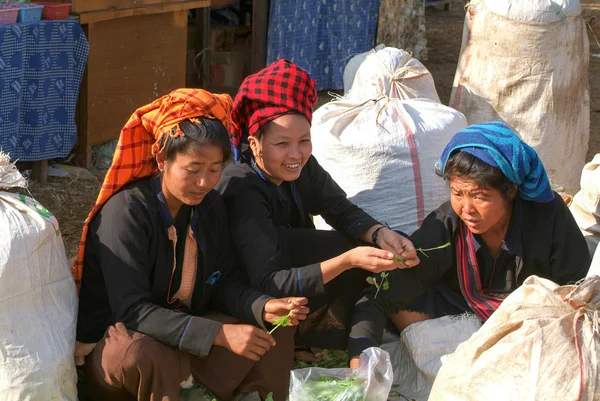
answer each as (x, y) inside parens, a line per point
(372, 380)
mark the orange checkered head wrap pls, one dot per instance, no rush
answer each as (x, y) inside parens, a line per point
(141, 140)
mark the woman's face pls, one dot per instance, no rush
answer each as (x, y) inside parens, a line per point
(284, 148)
(190, 176)
(481, 209)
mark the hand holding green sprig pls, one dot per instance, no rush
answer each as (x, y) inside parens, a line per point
(283, 321)
(399, 258)
(384, 284)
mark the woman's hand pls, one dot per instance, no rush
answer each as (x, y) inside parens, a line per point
(401, 246)
(354, 362)
(371, 259)
(244, 340)
(276, 308)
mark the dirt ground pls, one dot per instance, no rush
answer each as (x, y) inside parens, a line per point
(71, 200)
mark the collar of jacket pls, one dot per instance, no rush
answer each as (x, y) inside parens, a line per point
(199, 212)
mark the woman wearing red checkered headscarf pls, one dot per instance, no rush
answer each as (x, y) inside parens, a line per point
(272, 192)
(162, 302)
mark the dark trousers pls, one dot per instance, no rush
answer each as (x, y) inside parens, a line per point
(127, 365)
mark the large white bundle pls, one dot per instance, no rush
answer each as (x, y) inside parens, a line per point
(38, 301)
(541, 344)
(586, 204)
(381, 141)
(531, 74)
(422, 349)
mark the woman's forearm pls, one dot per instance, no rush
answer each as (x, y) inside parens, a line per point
(331, 268)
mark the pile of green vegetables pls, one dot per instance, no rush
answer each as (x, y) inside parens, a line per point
(327, 389)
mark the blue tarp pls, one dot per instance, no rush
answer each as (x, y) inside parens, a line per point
(41, 67)
(321, 35)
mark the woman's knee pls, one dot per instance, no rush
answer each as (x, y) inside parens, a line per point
(405, 318)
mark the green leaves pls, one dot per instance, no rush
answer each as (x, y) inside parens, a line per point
(283, 321)
(384, 284)
(269, 397)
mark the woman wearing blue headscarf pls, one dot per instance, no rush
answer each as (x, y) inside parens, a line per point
(503, 223)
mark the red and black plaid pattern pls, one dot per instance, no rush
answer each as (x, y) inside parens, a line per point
(281, 88)
(139, 142)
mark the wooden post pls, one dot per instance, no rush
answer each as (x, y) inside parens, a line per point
(260, 28)
(39, 171)
(203, 44)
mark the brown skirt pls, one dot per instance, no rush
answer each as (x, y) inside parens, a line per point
(127, 365)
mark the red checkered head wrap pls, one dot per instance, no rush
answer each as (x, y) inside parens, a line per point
(281, 88)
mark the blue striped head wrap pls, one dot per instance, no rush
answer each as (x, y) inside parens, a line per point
(497, 145)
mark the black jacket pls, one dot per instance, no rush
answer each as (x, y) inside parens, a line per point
(266, 220)
(128, 271)
(544, 236)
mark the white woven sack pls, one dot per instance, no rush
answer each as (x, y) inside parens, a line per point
(383, 155)
(422, 349)
(586, 204)
(387, 71)
(38, 302)
(532, 10)
(381, 141)
(533, 75)
(543, 343)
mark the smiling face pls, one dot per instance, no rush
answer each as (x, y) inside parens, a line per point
(481, 209)
(189, 176)
(283, 148)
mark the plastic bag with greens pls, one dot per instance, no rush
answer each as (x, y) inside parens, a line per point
(372, 380)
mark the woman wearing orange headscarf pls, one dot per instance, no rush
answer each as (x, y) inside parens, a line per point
(155, 259)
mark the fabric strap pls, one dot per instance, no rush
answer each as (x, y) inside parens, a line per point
(469, 278)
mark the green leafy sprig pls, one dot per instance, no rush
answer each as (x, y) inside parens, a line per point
(423, 250)
(384, 284)
(283, 321)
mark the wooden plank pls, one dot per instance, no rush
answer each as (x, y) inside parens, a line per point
(221, 3)
(260, 27)
(104, 15)
(83, 6)
(132, 62)
(39, 171)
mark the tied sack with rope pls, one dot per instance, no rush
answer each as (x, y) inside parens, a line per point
(542, 343)
(380, 142)
(38, 300)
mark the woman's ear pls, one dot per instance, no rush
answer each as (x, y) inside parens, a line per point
(514, 192)
(161, 161)
(254, 144)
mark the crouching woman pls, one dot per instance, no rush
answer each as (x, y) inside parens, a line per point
(162, 303)
(502, 224)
